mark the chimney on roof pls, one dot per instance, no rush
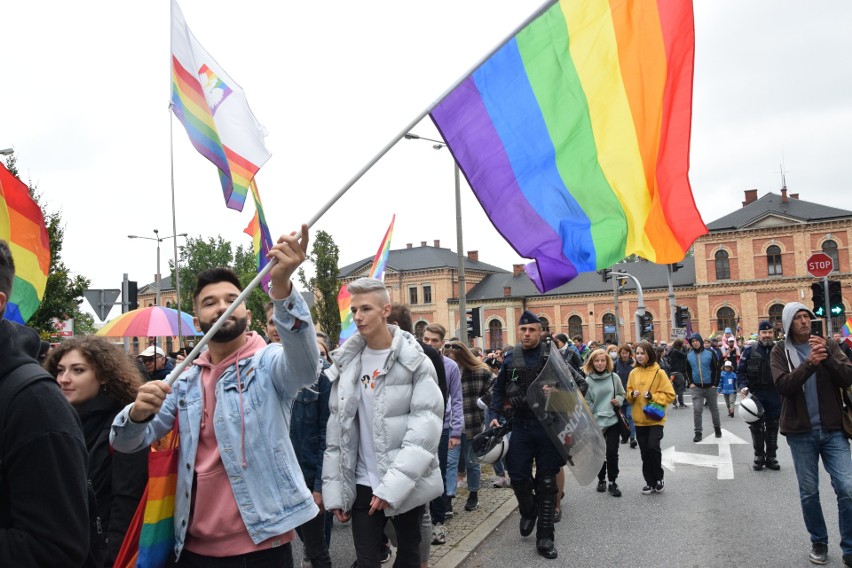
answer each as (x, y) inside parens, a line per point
(750, 196)
(473, 255)
(409, 245)
(437, 244)
(794, 196)
(422, 243)
(784, 195)
(518, 269)
(507, 291)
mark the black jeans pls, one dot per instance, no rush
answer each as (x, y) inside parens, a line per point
(649, 438)
(610, 465)
(316, 548)
(438, 506)
(367, 531)
(278, 557)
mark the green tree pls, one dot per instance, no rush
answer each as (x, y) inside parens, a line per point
(199, 254)
(63, 293)
(324, 285)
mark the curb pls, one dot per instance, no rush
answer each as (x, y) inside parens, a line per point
(461, 551)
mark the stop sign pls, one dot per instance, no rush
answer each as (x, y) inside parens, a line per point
(819, 265)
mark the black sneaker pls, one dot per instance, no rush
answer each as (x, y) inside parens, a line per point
(449, 501)
(819, 553)
(614, 490)
(601, 486)
(647, 490)
(718, 432)
(697, 437)
(633, 443)
(472, 502)
(658, 488)
(847, 560)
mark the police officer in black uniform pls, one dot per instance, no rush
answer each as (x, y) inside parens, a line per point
(536, 497)
(755, 377)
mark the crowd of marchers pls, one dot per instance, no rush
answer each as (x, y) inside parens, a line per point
(277, 436)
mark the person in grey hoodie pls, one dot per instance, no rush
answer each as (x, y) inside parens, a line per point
(812, 376)
(605, 395)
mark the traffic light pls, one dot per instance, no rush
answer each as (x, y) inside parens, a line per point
(132, 299)
(473, 327)
(604, 272)
(681, 316)
(647, 324)
(675, 266)
(818, 298)
(835, 298)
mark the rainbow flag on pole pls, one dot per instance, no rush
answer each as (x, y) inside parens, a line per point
(377, 270)
(215, 113)
(575, 136)
(22, 227)
(258, 230)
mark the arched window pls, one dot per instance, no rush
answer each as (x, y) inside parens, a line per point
(169, 345)
(725, 317)
(419, 327)
(495, 334)
(723, 267)
(775, 311)
(545, 324)
(168, 304)
(773, 261)
(575, 327)
(648, 328)
(610, 330)
(830, 248)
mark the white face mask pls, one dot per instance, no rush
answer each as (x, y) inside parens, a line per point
(614, 355)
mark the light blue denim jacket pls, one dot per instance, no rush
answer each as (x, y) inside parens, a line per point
(270, 491)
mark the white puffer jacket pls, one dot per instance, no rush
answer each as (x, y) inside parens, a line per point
(407, 426)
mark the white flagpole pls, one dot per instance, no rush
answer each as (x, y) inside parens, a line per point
(358, 175)
(174, 227)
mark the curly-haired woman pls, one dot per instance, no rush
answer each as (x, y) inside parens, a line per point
(99, 379)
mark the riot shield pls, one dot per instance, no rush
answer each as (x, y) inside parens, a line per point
(562, 410)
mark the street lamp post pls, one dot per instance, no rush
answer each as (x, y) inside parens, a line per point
(438, 145)
(640, 300)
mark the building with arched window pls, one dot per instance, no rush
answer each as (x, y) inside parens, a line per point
(751, 263)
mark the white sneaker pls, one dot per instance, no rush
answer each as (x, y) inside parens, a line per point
(439, 534)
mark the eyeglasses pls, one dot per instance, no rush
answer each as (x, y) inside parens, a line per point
(452, 346)
(147, 359)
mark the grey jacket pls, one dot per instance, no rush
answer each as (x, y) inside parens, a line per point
(407, 426)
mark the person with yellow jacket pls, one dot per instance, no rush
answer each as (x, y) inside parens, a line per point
(646, 384)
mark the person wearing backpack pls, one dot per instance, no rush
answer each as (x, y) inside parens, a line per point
(605, 395)
(44, 497)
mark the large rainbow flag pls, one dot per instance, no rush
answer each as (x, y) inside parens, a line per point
(377, 270)
(215, 113)
(258, 230)
(22, 227)
(575, 136)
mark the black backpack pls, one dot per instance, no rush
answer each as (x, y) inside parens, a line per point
(10, 386)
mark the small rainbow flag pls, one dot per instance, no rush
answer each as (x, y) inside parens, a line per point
(22, 227)
(258, 230)
(846, 330)
(574, 136)
(215, 113)
(344, 300)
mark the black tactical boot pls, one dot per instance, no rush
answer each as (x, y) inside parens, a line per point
(546, 491)
(757, 439)
(526, 505)
(772, 444)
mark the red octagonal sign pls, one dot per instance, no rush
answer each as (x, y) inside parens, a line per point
(820, 264)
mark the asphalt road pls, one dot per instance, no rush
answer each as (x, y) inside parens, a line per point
(698, 521)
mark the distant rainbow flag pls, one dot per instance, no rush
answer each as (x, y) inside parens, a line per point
(215, 113)
(846, 330)
(258, 230)
(344, 300)
(22, 227)
(574, 136)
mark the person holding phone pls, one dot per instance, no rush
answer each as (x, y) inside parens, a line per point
(812, 374)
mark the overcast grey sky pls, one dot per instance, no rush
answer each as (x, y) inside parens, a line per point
(85, 105)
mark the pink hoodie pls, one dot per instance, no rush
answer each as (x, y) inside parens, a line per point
(215, 525)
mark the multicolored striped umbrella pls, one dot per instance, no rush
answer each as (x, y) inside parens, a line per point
(153, 321)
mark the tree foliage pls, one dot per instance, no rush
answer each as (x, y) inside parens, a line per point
(324, 256)
(63, 293)
(199, 254)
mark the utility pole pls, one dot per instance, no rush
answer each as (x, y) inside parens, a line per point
(640, 307)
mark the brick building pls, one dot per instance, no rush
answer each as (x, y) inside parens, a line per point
(744, 270)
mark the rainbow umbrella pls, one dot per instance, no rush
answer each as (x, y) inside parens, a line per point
(153, 321)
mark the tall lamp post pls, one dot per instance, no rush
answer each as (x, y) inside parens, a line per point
(438, 145)
(160, 239)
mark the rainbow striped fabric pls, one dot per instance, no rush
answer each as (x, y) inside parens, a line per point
(575, 136)
(377, 270)
(157, 537)
(22, 227)
(258, 230)
(215, 113)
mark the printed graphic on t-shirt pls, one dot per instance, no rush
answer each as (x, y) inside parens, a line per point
(369, 381)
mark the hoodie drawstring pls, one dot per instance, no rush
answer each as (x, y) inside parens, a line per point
(242, 418)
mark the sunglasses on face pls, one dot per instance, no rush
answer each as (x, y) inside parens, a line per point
(147, 359)
(452, 346)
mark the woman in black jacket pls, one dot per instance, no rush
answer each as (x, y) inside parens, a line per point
(99, 379)
(677, 364)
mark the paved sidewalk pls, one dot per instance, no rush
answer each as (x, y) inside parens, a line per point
(467, 529)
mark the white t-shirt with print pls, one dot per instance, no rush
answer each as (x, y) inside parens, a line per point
(372, 364)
